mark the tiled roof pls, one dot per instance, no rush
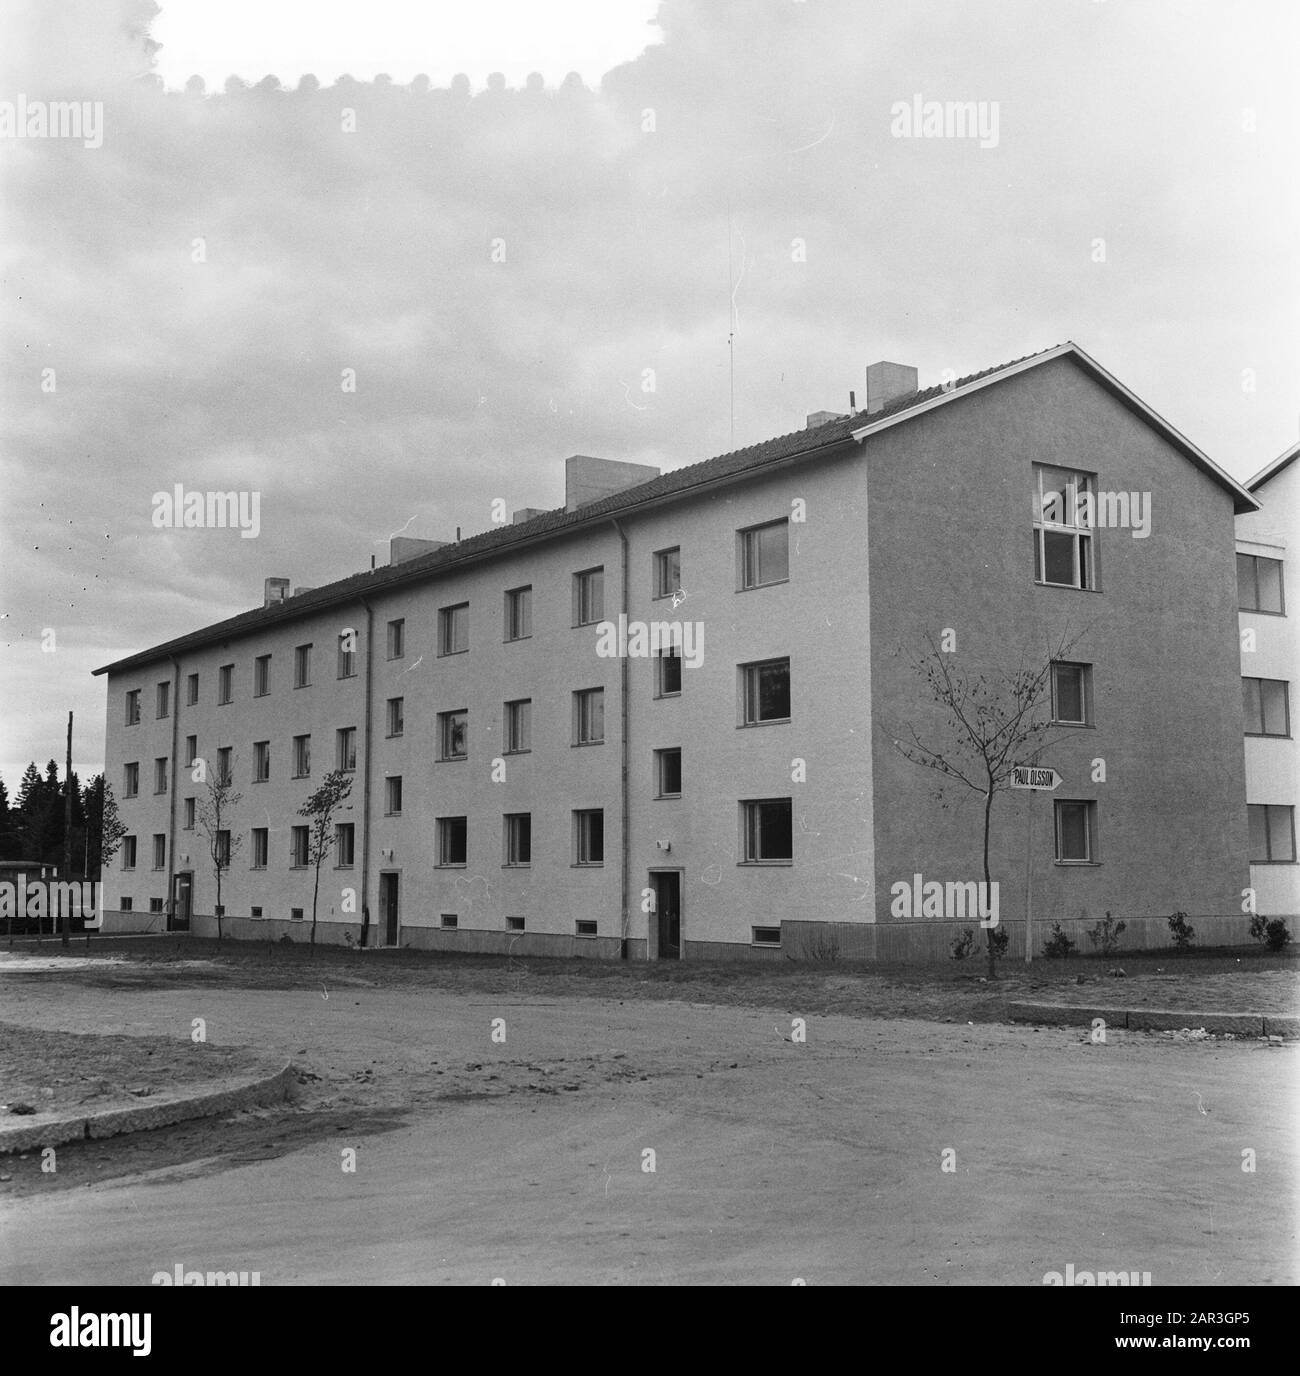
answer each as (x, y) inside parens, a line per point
(722, 468)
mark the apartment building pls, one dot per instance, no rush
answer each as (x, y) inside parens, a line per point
(1270, 654)
(661, 721)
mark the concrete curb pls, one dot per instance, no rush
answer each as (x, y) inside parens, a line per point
(224, 1096)
(1155, 1019)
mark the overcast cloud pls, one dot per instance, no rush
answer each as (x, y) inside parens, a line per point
(201, 280)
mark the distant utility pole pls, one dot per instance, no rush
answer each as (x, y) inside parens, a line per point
(67, 835)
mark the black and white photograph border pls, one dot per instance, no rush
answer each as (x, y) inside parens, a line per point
(650, 643)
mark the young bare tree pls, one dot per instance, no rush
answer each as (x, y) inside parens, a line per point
(319, 810)
(994, 724)
(214, 813)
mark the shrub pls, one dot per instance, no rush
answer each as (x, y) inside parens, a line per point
(1276, 934)
(823, 949)
(1058, 944)
(1259, 927)
(999, 940)
(1181, 931)
(1106, 934)
(963, 945)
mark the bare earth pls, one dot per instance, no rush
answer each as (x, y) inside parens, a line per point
(659, 1140)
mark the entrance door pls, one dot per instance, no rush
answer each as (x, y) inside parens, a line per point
(667, 887)
(182, 897)
(388, 887)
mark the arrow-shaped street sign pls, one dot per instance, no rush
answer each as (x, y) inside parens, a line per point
(1034, 777)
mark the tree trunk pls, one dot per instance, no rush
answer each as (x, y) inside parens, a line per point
(988, 887)
(315, 894)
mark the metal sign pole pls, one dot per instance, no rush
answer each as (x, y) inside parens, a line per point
(1029, 880)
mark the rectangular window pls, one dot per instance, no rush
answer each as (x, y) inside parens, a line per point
(344, 845)
(346, 751)
(226, 683)
(668, 773)
(131, 781)
(668, 673)
(1265, 703)
(160, 774)
(393, 795)
(261, 847)
(299, 848)
(1259, 584)
(589, 836)
(347, 655)
(164, 703)
(765, 692)
(453, 629)
(765, 936)
(1062, 527)
(160, 850)
(255, 911)
(188, 823)
(295, 914)
(767, 831)
(514, 924)
(1071, 694)
(519, 613)
(223, 849)
(765, 554)
(584, 926)
(397, 638)
(125, 904)
(589, 717)
(448, 920)
(133, 707)
(1272, 834)
(128, 852)
(589, 596)
(261, 761)
(302, 666)
(519, 726)
(301, 756)
(191, 751)
(519, 838)
(668, 572)
(261, 676)
(192, 689)
(224, 756)
(396, 717)
(1076, 824)
(453, 735)
(452, 841)
(155, 905)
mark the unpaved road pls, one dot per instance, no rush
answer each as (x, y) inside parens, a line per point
(773, 1159)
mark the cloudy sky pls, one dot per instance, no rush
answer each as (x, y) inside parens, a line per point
(511, 220)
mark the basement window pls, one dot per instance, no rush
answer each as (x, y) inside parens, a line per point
(514, 924)
(448, 920)
(584, 927)
(765, 936)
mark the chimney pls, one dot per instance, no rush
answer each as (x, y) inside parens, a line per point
(816, 418)
(274, 591)
(527, 513)
(888, 383)
(587, 480)
(404, 547)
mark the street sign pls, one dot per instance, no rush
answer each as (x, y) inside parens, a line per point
(1035, 777)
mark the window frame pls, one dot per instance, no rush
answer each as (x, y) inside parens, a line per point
(302, 756)
(395, 644)
(1268, 808)
(749, 567)
(1255, 560)
(751, 833)
(259, 848)
(582, 824)
(1085, 693)
(302, 665)
(345, 736)
(262, 676)
(583, 701)
(133, 706)
(447, 722)
(1089, 806)
(447, 623)
(515, 600)
(392, 784)
(667, 652)
(1082, 536)
(445, 831)
(225, 685)
(513, 856)
(511, 718)
(660, 756)
(395, 713)
(584, 581)
(661, 565)
(1262, 718)
(750, 694)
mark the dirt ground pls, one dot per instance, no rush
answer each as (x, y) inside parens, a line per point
(881, 1148)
